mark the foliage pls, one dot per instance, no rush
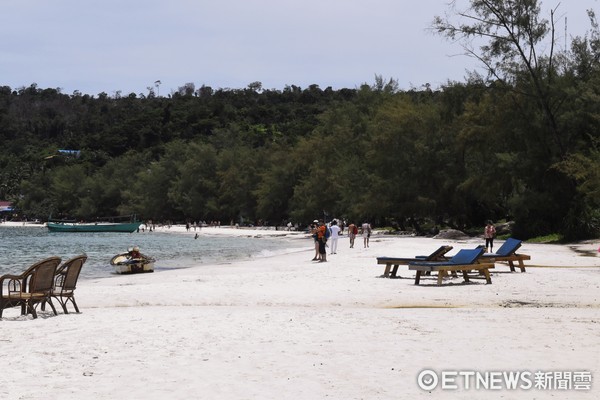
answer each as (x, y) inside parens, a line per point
(551, 238)
(539, 90)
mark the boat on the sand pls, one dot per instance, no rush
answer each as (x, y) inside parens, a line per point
(132, 262)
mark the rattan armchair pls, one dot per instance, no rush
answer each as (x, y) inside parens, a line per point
(65, 281)
(32, 287)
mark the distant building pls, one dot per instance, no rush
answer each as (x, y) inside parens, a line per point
(73, 153)
(6, 206)
(64, 153)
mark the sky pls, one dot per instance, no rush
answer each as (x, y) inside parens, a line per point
(111, 46)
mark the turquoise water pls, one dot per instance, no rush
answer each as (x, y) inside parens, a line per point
(22, 246)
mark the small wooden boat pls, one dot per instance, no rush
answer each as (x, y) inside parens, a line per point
(125, 264)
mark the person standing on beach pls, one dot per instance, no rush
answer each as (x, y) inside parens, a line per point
(489, 233)
(313, 232)
(322, 241)
(352, 231)
(366, 233)
(335, 230)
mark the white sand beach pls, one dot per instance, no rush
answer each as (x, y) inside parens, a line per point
(284, 327)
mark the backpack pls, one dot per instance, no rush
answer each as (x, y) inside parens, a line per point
(355, 230)
(327, 233)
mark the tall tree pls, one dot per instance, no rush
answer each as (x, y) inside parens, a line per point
(518, 44)
(516, 47)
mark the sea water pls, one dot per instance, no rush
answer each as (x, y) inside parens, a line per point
(22, 246)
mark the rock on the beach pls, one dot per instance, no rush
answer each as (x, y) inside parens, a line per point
(451, 234)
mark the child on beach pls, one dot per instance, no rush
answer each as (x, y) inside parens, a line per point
(489, 233)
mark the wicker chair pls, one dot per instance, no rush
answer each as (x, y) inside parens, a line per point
(32, 287)
(65, 281)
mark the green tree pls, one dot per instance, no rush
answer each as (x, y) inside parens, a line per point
(276, 184)
(238, 176)
(519, 56)
(193, 191)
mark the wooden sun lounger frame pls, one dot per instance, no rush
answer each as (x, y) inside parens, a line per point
(395, 262)
(509, 259)
(464, 261)
(443, 270)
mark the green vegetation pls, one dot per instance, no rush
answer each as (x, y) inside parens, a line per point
(552, 238)
(521, 144)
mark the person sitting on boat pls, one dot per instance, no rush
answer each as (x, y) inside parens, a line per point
(134, 253)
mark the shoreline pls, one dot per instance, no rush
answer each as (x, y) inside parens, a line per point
(576, 254)
(580, 254)
(587, 247)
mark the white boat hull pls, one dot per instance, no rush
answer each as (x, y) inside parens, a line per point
(123, 265)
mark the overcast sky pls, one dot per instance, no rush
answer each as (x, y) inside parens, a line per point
(96, 46)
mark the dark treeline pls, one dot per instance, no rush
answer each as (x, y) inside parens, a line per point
(502, 149)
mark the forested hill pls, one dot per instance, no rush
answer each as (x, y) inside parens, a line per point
(519, 142)
(456, 156)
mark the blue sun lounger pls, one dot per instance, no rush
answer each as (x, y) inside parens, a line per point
(464, 261)
(438, 255)
(507, 253)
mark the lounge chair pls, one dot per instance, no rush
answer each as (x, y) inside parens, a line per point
(464, 261)
(32, 287)
(507, 252)
(438, 255)
(65, 281)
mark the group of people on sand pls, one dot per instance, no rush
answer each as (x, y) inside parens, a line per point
(318, 230)
(322, 233)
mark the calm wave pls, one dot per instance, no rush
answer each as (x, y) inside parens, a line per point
(22, 246)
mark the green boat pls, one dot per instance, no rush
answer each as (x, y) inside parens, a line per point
(93, 227)
(126, 227)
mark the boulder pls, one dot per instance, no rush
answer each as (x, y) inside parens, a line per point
(451, 234)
